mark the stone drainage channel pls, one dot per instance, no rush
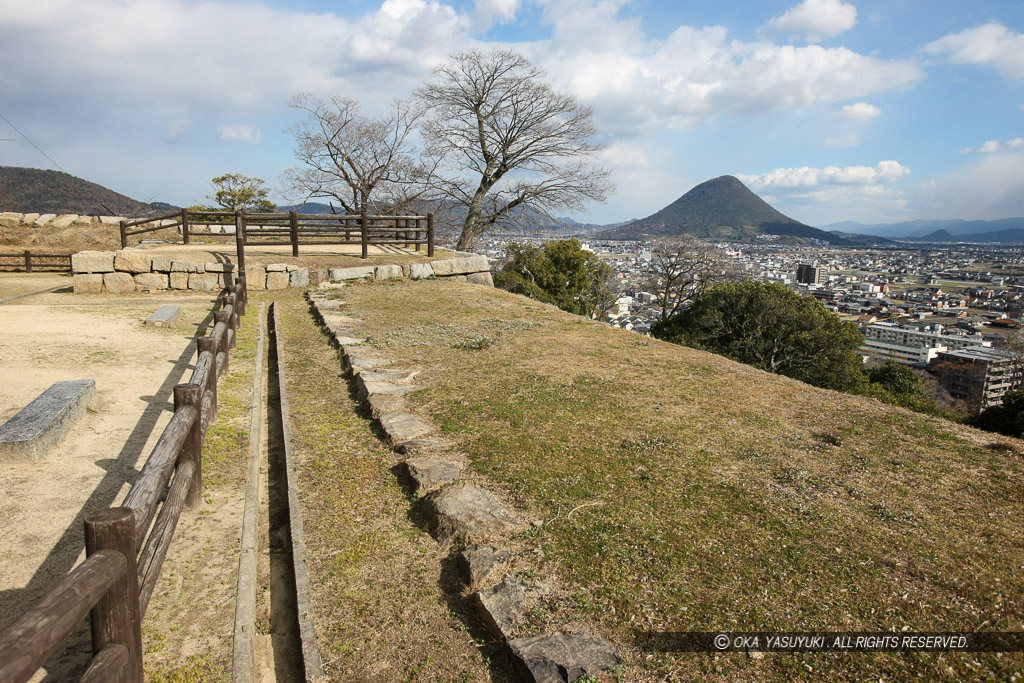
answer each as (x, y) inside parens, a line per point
(274, 638)
(460, 509)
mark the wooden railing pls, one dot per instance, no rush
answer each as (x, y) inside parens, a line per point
(29, 262)
(115, 582)
(263, 229)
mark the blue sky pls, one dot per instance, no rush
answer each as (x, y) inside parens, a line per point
(831, 110)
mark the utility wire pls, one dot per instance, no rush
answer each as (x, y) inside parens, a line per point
(30, 142)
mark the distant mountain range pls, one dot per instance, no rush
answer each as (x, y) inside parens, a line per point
(723, 209)
(1006, 230)
(33, 190)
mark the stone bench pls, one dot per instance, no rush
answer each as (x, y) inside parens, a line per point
(165, 316)
(39, 426)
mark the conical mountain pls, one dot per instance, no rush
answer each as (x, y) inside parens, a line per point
(722, 208)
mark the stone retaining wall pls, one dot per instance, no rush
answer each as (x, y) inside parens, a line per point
(131, 270)
(11, 219)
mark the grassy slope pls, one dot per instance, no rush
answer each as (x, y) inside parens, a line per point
(716, 496)
(383, 608)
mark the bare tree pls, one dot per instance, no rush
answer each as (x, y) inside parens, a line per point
(363, 163)
(505, 140)
(684, 267)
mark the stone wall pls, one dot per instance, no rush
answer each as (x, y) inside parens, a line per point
(11, 219)
(131, 270)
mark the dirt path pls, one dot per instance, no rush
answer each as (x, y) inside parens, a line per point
(54, 337)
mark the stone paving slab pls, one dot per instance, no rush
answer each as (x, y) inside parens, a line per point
(403, 427)
(480, 564)
(39, 426)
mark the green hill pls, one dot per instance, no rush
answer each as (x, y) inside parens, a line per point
(33, 190)
(722, 208)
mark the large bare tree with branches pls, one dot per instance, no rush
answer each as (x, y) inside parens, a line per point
(505, 141)
(363, 163)
(683, 268)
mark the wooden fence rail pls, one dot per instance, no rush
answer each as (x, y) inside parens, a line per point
(275, 229)
(115, 582)
(34, 262)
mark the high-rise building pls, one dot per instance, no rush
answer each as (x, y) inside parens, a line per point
(809, 273)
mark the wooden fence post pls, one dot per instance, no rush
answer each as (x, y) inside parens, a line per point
(226, 318)
(115, 618)
(416, 233)
(124, 236)
(240, 239)
(205, 344)
(293, 225)
(28, 261)
(362, 223)
(430, 235)
(184, 226)
(192, 395)
(241, 296)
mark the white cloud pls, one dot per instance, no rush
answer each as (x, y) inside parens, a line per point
(239, 133)
(995, 146)
(861, 111)
(991, 45)
(486, 12)
(807, 177)
(843, 141)
(813, 20)
(697, 74)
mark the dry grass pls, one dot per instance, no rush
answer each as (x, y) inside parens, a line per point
(385, 604)
(717, 496)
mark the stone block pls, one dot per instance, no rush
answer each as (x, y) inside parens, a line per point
(216, 229)
(183, 267)
(383, 404)
(466, 510)
(299, 277)
(88, 283)
(501, 606)
(318, 275)
(165, 316)
(277, 279)
(481, 565)
(429, 474)
(44, 218)
(29, 218)
(198, 268)
(291, 268)
(110, 220)
(40, 425)
(416, 445)
(202, 282)
(484, 278)
(460, 266)
(118, 283)
(132, 261)
(562, 657)
(388, 272)
(255, 277)
(403, 427)
(356, 273)
(93, 262)
(420, 271)
(277, 268)
(64, 220)
(161, 264)
(219, 267)
(151, 282)
(179, 280)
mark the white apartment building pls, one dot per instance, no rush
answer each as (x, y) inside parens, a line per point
(910, 346)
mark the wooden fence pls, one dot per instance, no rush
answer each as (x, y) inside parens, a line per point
(29, 262)
(115, 582)
(262, 229)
